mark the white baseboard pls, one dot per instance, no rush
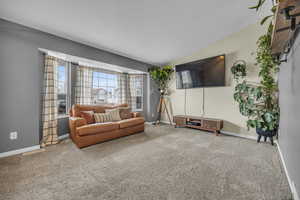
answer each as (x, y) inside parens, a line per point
(149, 123)
(238, 135)
(164, 122)
(62, 137)
(291, 183)
(19, 151)
(27, 149)
(167, 122)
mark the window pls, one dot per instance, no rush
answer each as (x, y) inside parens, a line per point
(105, 88)
(136, 88)
(63, 88)
(97, 86)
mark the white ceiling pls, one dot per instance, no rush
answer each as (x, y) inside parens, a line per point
(153, 31)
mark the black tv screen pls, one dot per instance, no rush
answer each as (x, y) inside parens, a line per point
(208, 72)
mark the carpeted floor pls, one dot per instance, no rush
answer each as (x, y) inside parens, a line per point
(162, 163)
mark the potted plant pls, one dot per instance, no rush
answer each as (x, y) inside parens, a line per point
(259, 101)
(162, 76)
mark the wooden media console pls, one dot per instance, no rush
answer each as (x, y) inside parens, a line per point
(207, 124)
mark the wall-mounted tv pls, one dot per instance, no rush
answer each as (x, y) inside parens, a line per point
(208, 72)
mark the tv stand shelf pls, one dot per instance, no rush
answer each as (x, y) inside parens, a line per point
(201, 123)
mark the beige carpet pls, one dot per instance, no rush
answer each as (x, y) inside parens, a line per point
(162, 163)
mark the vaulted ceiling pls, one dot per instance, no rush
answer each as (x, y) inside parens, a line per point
(153, 31)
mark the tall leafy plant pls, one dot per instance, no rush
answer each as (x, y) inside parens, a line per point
(259, 101)
(162, 76)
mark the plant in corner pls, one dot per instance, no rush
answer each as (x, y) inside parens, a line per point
(259, 101)
(162, 76)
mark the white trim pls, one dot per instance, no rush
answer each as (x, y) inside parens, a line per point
(149, 123)
(19, 151)
(166, 122)
(239, 135)
(291, 183)
(28, 149)
(137, 110)
(63, 116)
(62, 137)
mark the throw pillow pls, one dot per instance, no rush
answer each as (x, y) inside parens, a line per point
(115, 113)
(88, 116)
(125, 112)
(103, 117)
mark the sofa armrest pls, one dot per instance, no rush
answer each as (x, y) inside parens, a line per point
(75, 122)
(78, 121)
(135, 114)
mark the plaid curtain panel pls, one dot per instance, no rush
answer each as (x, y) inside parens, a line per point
(49, 112)
(84, 83)
(123, 84)
(135, 87)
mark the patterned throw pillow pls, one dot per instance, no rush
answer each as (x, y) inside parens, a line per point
(88, 116)
(125, 112)
(115, 113)
(103, 117)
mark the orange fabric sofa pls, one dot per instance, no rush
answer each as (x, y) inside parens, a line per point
(84, 134)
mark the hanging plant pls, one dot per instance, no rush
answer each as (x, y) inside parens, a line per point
(238, 70)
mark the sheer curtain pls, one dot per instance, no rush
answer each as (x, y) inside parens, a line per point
(49, 110)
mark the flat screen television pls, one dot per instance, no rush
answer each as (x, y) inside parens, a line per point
(208, 72)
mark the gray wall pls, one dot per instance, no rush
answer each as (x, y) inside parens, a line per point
(21, 73)
(289, 99)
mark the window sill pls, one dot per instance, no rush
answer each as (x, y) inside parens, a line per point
(137, 110)
(63, 116)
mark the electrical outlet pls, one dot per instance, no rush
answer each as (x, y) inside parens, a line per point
(13, 135)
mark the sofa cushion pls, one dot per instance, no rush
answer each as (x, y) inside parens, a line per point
(97, 128)
(76, 108)
(125, 113)
(103, 117)
(131, 122)
(88, 116)
(115, 114)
